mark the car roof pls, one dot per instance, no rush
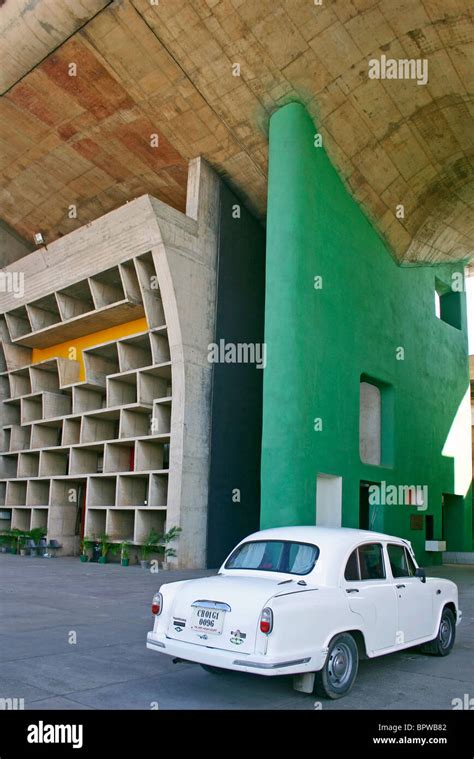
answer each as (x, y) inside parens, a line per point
(338, 537)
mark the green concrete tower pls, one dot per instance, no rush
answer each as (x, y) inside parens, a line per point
(366, 390)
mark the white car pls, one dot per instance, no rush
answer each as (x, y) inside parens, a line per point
(307, 601)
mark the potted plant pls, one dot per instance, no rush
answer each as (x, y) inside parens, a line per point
(22, 545)
(18, 538)
(148, 547)
(3, 543)
(124, 553)
(9, 545)
(86, 546)
(167, 551)
(105, 547)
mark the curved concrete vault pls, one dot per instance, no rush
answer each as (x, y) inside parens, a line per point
(169, 69)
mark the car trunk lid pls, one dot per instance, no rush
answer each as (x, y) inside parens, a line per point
(223, 612)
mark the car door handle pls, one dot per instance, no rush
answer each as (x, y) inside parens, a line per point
(352, 590)
(401, 586)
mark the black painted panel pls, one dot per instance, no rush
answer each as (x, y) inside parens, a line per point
(237, 387)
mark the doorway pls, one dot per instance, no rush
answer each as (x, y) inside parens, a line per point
(368, 512)
(328, 500)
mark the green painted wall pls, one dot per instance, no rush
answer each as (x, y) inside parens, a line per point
(320, 342)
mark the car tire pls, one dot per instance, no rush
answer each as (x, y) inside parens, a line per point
(214, 670)
(444, 641)
(337, 676)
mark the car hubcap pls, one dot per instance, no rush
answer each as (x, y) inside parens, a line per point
(445, 633)
(340, 665)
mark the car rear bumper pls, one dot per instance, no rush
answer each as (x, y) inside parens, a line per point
(256, 663)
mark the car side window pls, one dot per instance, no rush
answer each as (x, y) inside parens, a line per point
(365, 563)
(371, 562)
(401, 562)
(411, 563)
(352, 567)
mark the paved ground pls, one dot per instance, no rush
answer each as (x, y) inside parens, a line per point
(42, 601)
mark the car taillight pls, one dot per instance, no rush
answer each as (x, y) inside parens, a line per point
(266, 621)
(157, 604)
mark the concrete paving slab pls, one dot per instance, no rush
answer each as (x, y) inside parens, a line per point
(109, 608)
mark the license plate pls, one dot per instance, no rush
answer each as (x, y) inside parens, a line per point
(208, 620)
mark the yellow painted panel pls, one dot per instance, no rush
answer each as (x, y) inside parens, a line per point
(73, 349)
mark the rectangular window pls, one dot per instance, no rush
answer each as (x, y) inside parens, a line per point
(448, 304)
(376, 422)
(370, 440)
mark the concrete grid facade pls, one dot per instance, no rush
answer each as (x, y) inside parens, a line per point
(124, 429)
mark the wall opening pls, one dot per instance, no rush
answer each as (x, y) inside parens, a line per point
(376, 422)
(447, 304)
(453, 523)
(367, 512)
(429, 527)
(328, 500)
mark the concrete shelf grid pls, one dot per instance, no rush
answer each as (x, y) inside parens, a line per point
(89, 443)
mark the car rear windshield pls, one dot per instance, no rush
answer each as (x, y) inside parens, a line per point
(274, 556)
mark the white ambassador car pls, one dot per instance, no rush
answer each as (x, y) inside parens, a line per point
(307, 601)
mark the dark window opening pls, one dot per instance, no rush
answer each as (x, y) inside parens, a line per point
(447, 304)
(429, 527)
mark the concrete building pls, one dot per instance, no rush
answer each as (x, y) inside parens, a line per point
(157, 148)
(107, 412)
(367, 412)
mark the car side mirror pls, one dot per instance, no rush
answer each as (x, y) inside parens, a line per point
(421, 574)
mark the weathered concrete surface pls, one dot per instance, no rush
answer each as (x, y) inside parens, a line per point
(12, 246)
(170, 68)
(187, 271)
(109, 667)
(30, 31)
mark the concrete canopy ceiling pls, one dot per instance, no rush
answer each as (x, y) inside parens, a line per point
(168, 69)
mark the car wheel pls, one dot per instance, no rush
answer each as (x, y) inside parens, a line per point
(444, 641)
(214, 670)
(337, 676)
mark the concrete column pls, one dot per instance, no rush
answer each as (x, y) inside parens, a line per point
(290, 375)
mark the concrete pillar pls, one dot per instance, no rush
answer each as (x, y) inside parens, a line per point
(290, 375)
